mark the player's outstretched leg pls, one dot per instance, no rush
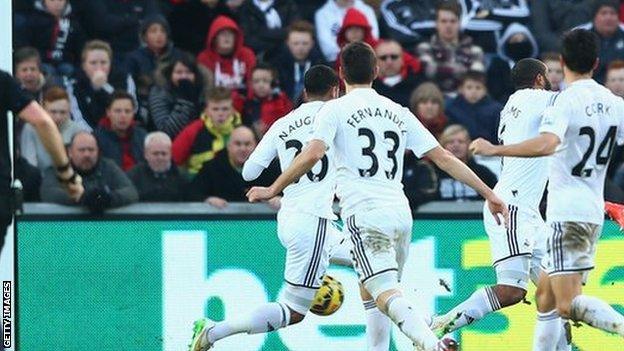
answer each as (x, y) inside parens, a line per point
(266, 318)
(378, 325)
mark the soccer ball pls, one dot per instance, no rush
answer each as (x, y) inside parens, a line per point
(328, 298)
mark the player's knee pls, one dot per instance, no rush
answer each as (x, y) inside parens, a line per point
(295, 317)
(564, 309)
(509, 295)
(383, 298)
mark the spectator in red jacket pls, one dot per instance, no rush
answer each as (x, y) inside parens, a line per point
(226, 56)
(265, 102)
(201, 140)
(355, 27)
(119, 138)
(399, 72)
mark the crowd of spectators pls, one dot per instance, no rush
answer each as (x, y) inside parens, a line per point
(164, 100)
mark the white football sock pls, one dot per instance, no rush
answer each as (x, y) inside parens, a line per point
(562, 344)
(410, 323)
(597, 314)
(266, 318)
(378, 327)
(547, 331)
(479, 304)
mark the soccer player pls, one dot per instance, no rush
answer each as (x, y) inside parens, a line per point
(579, 130)
(304, 220)
(517, 250)
(369, 134)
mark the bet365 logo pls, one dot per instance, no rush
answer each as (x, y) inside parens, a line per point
(189, 283)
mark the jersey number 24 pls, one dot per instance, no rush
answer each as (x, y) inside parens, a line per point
(601, 158)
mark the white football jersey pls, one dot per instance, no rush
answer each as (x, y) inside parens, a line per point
(369, 134)
(588, 119)
(523, 180)
(314, 192)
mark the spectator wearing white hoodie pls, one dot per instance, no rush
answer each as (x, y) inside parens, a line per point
(328, 20)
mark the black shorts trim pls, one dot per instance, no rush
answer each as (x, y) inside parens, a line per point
(510, 256)
(302, 285)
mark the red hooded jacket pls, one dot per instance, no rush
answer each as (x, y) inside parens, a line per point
(229, 71)
(355, 18)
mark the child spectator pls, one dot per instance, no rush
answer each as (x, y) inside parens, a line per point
(203, 138)
(455, 139)
(615, 77)
(448, 55)
(474, 109)
(156, 49)
(119, 138)
(158, 179)
(178, 96)
(516, 43)
(265, 103)
(427, 104)
(329, 19)
(297, 56)
(52, 29)
(264, 23)
(27, 63)
(56, 103)
(555, 71)
(226, 56)
(91, 89)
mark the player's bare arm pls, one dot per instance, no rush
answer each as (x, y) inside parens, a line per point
(458, 170)
(48, 133)
(543, 145)
(311, 154)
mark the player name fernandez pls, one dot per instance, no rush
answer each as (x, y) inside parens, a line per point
(363, 113)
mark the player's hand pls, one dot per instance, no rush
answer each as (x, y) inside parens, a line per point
(481, 146)
(75, 189)
(217, 202)
(499, 210)
(259, 193)
(275, 202)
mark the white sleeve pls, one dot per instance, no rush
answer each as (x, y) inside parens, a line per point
(620, 131)
(419, 139)
(266, 151)
(555, 119)
(252, 170)
(325, 125)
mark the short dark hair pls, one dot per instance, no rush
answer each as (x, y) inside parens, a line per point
(265, 66)
(319, 80)
(218, 94)
(120, 95)
(301, 26)
(579, 50)
(598, 4)
(451, 6)
(477, 76)
(615, 64)
(525, 71)
(358, 62)
(26, 53)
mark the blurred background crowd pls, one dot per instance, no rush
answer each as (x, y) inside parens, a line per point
(164, 100)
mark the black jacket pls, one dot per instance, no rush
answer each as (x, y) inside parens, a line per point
(450, 189)
(57, 41)
(284, 63)
(549, 19)
(106, 174)
(218, 178)
(110, 144)
(420, 181)
(401, 92)
(89, 105)
(171, 186)
(258, 36)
